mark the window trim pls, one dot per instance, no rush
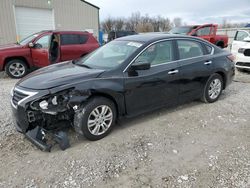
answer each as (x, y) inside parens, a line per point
(179, 60)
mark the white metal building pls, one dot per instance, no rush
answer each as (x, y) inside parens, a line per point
(20, 18)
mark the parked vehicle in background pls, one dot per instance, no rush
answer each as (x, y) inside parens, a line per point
(43, 49)
(207, 32)
(241, 49)
(117, 34)
(126, 77)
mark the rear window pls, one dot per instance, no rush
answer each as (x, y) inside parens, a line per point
(71, 39)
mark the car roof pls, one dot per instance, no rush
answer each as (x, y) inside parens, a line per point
(144, 38)
(64, 31)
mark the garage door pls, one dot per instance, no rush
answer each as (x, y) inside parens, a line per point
(32, 20)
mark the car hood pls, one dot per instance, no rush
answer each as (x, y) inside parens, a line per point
(10, 46)
(58, 75)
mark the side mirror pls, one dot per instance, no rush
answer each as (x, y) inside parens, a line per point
(140, 66)
(31, 45)
(37, 46)
(247, 39)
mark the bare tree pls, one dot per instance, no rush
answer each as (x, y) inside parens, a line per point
(134, 20)
(143, 28)
(119, 24)
(138, 23)
(108, 24)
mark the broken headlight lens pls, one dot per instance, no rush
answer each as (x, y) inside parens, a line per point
(56, 102)
(44, 105)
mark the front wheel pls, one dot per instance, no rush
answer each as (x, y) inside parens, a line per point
(213, 89)
(97, 119)
(16, 68)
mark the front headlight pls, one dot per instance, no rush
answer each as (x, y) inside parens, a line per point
(241, 50)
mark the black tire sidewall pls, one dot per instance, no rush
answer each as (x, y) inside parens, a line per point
(87, 109)
(206, 94)
(16, 61)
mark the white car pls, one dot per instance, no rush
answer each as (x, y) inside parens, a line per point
(241, 49)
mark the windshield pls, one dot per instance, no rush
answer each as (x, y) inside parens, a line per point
(28, 39)
(181, 30)
(110, 55)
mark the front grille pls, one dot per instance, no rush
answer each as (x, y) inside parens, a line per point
(243, 64)
(18, 96)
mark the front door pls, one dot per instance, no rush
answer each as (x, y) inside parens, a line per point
(40, 51)
(206, 33)
(155, 87)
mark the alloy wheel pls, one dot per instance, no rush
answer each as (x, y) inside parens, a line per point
(215, 88)
(99, 120)
(17, 69)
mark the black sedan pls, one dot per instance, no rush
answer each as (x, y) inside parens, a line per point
(126, 77)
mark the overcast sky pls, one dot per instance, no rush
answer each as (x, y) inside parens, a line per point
(191, 11)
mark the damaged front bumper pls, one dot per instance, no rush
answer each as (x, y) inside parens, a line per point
(43, 128)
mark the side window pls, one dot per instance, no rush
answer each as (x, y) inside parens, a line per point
(156, 54)
(240, 35)
(189, 49)
(203, 31)
(83, 39)
(43, 42)
(71, 39)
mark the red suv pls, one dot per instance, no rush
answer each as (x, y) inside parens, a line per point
(45, 48)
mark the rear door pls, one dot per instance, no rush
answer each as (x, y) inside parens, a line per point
(73, 46)
(239, 41)
(196, 65)
(156, 87)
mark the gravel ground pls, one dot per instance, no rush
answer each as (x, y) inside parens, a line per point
(193, 145)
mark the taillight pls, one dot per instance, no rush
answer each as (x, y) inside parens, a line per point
(232, 58)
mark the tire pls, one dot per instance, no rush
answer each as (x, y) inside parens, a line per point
(220, 44)
(86, 118)
(16, 68)
(210, 93)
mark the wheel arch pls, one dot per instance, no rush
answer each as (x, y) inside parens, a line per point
(7, 59)
(223, 75)
(111, 98)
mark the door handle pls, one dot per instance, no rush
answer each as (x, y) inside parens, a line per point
(173, 72)
(208, 63)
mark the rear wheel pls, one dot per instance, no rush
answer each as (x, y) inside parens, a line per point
(16, 68)
(213, 89)
(98, 119)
